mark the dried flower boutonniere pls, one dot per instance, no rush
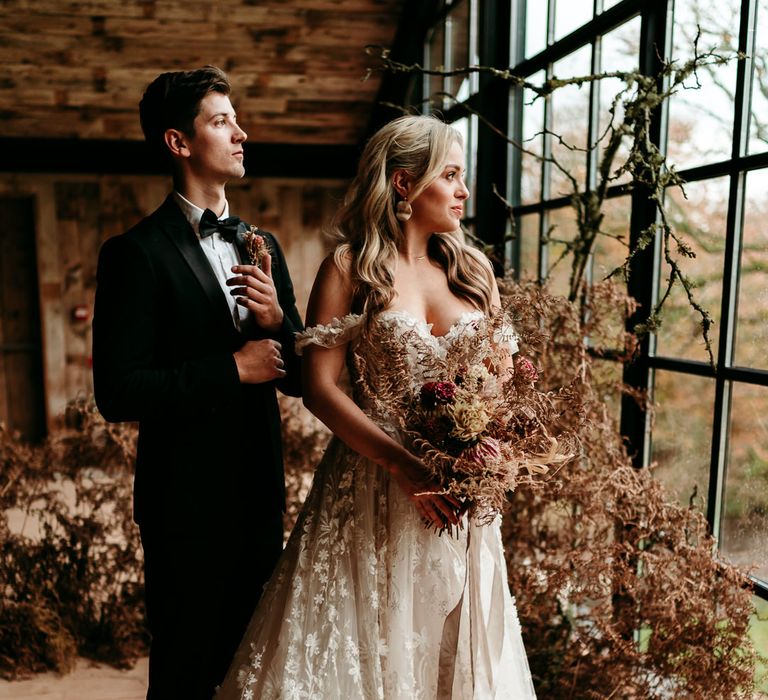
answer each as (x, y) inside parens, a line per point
(256, 246)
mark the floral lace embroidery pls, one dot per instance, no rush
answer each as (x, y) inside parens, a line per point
(356, 606)
(338, 331)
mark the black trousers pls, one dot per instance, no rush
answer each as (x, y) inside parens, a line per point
(200, 593)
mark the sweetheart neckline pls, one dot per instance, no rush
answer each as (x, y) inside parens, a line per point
(460, 320)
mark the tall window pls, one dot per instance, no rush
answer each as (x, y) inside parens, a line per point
(452, 44)
(708, 431)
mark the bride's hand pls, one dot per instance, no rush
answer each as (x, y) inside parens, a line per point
(436, 509)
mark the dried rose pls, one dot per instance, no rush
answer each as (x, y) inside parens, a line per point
(525, 369)
(445, 392)
(433, 394)
(256, 246)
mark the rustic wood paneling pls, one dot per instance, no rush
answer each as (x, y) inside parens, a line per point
(22, 406)
(52, 312)
(76, 213)
(78, 69)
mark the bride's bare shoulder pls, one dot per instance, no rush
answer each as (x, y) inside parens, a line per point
(332, 291)
(336, 271)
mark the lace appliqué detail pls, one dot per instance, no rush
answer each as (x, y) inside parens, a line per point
(357, 605)
(337, 332)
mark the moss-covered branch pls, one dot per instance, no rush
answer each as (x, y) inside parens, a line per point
(631, 115)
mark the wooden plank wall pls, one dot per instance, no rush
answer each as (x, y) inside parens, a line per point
(76, 213)
(78, 69)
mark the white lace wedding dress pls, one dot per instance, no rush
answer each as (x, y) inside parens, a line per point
(366, 603)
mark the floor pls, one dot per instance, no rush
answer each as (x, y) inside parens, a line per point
(86, 682)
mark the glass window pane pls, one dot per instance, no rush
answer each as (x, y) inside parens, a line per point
(610, 251)
(758, 117)
(535, 27)
(699, 220)
(533, 128)
(570, 15)
(701, 120)
(467, 127)
(612, 245)
(758, 633)
(744, 530)
(562, 230)
(528, 242)
(682, 435)
(474, 42)
(609, 3)
(435, 61)
(752, 319)
(570, 121)
(457, 26)
(620, 51)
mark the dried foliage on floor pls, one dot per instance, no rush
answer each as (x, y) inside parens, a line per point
(70, 559)
(617, 587)
(70, 555)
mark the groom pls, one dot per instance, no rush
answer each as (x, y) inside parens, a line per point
(190, 340)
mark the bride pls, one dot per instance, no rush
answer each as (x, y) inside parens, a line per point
(367, 602)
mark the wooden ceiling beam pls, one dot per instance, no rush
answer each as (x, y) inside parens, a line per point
(113, 157)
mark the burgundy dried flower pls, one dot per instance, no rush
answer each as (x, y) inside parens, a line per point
(525, 369)
(434, 393)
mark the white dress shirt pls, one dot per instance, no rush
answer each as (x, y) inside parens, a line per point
(221, 254)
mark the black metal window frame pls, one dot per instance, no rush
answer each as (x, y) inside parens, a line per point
(501, 30)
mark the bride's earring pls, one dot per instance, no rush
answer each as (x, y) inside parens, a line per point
(403, 210)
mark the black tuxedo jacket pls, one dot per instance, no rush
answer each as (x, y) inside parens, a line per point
(209, 449)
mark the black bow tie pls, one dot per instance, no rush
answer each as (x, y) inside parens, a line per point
(227, 228)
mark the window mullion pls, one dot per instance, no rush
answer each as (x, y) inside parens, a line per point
(593, 129)
(517, 33)
(733, 240)
(655, 42)
(546, 151)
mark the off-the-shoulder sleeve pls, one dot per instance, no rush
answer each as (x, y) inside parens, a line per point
(337, 332)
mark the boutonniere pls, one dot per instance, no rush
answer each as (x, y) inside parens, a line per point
(255, 245)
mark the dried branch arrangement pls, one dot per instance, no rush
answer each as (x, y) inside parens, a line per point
(629, 121)
(70, 555)
(70, 558)
(618, 590)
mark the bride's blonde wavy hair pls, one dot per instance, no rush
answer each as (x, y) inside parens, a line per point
(367, 233)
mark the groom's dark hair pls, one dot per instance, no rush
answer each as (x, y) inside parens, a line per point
(172, 101)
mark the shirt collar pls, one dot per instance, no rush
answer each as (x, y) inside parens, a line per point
(193, 213)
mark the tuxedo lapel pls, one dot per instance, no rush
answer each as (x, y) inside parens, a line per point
(177, 228)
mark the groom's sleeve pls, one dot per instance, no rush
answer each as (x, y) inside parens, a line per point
(129, 383)
(292, 324)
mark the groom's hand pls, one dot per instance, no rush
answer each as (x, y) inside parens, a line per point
(259, 361)
(255, 289)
